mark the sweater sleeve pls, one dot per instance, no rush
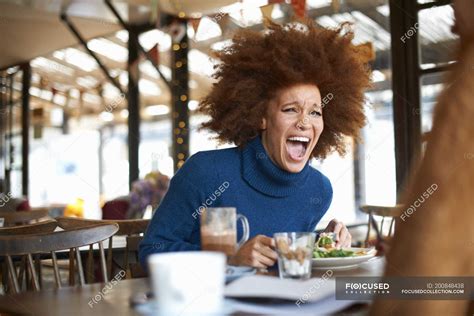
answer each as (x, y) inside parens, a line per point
(173, 222)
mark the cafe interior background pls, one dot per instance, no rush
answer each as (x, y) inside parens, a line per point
(96, 95)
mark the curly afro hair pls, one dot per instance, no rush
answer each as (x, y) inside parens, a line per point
(259, 64)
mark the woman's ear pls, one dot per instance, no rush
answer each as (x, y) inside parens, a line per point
(263, 125)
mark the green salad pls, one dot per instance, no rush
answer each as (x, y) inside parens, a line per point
(332, 253)
(325, 241)
(325, 247)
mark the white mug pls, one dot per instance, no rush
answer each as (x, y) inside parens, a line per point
(187, 283)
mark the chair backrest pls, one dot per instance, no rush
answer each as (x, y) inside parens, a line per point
(129, 228)
(388, 214)
(28, 245)
(22, 217)
(47, 226)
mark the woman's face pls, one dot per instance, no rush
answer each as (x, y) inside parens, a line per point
(292, 126)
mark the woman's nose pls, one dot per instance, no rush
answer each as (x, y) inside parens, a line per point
(303, 122)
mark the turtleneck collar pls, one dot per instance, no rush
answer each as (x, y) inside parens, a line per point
(262, 174)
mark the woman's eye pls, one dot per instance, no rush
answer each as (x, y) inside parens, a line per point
(289, 110)
(315, 113)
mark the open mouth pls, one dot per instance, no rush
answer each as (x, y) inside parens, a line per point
(297, 146)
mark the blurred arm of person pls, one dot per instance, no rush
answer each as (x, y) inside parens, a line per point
(435, 240)
(464, 19)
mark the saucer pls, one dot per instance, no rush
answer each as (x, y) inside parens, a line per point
(234, 272)
(150, 308)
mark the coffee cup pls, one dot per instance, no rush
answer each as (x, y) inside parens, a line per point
(187, 283)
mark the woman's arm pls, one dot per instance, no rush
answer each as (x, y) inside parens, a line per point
(173, 222)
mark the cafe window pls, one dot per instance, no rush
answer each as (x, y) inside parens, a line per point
(114, 172)
(64, 168)
(438, 45)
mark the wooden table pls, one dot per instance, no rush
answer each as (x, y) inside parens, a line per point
(76, 300)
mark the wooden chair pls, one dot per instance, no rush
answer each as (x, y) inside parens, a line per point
(29, 245)
(130, 228)
(47, 226)
(42, 227)
(23, 217)
(388, 213)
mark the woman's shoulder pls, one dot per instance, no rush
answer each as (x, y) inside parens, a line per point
(210, 164)
(213, 158)
(205, 155)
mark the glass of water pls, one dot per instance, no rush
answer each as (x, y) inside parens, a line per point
(295, 250)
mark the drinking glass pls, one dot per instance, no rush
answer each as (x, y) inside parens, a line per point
(295, 250)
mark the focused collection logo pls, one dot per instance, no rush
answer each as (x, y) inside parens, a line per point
(367, 288)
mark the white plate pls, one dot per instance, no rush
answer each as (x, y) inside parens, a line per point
(344, 262)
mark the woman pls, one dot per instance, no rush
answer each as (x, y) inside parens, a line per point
(283, 97)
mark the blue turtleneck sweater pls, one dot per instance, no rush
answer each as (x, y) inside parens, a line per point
(273, 200)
